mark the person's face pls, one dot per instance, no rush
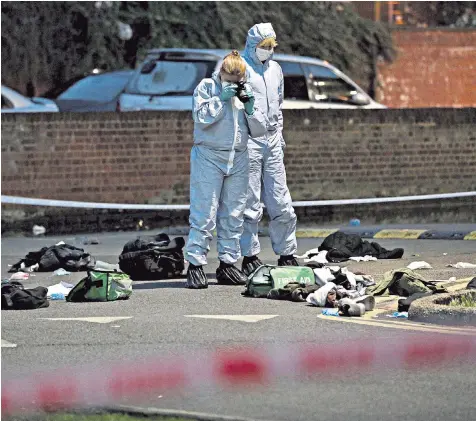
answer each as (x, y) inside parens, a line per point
(268, 48)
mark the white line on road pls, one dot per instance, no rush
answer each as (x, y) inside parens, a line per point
(251, 318)
(6, 344)
(87, 319)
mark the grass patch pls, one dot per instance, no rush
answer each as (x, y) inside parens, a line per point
(463, 301)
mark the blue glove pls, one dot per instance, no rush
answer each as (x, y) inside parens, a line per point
(228, 92)
(250, 104)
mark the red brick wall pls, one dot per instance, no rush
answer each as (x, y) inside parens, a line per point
(144, 157)
(434, 68)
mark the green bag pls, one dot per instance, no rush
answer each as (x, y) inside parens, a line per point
(268, 277)
(102, 286)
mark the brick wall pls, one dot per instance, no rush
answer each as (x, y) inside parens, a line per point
(330, 154)
(434, 68)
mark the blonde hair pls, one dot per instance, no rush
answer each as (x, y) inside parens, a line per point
(268, 42)
(233, 64)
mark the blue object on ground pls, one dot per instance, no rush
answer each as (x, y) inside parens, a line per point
(330, 312)
(399, 315)
(57, 296)
(354, 222)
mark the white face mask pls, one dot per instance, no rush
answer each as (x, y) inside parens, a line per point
(263, 54)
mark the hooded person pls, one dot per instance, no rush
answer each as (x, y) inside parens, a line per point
(267, 178)
(224, 118)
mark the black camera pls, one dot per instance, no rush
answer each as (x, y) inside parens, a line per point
(241, 92)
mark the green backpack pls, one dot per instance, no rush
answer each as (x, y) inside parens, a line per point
(102, 286)
(268, 277)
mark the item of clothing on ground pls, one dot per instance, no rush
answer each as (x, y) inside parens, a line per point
(325, 296)
(19, 276)
(151, 258)
(250, 264)
(462, 265)
(419, 265)
(230, 275)
(404, 304)
(342, 276)
(16, 297)
(471, 284)
(350, 308)
(196, 277)
(61, 288)
(219, 166)
(404, 282)
(48, 259)
(267, 174)
(341, 247)
(294, 291)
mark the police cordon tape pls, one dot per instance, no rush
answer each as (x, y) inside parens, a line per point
(17, 200)
(102, 384)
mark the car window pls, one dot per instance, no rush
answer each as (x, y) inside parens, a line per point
(6, 103)
(99, 88)
(166, 77)
(326, 86)
(295, 86)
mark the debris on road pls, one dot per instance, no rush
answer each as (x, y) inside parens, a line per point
(419, 265)
(462, 265)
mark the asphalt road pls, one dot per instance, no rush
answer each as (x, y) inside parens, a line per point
(158, 326)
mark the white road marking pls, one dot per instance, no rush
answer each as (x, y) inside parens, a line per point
(252, 318)
(87, 319)
(6, 344)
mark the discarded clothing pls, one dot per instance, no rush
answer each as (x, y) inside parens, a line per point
(16, 297)
(471, 284)
(153, 258)
(404, 282)
(341, 247)
(293, 291)
(19, 276)
(363, 258)
(55, 257)
(61, 288)
(419, 265)
(325, 296)
(350, 308)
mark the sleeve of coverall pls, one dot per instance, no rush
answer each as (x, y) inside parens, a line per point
(257, 123)
(207, 109)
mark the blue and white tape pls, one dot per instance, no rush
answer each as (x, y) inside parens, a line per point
(16, 200)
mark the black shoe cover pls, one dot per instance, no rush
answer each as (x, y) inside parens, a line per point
(196, 278)
(287, 261)
(230, 275)
(250, 264)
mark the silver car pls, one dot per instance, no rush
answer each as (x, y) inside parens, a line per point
(167, 78)
(14, 102)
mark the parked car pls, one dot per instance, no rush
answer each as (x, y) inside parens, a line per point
(167, 78)
(95, 92)
(14, 102)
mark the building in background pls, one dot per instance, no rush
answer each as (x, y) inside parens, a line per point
(436, 53)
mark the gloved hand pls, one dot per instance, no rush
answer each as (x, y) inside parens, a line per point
(250, 105)
(228, 92)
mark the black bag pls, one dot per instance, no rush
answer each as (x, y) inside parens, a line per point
(153, 258)
(16, 297)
